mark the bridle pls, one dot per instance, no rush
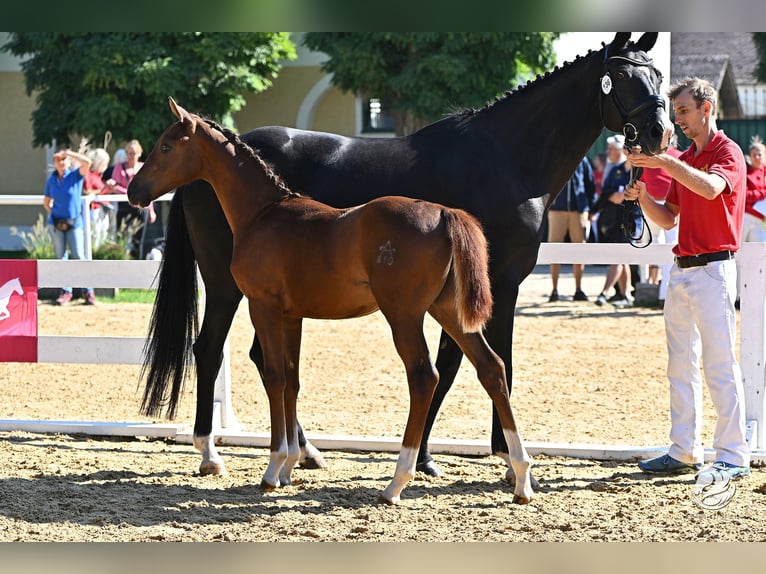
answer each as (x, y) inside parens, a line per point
(634, 223)
(629, 129)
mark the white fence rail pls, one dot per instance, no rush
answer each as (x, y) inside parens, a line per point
(141, 274)
(86, 201)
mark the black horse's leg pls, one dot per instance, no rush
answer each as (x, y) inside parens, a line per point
(447, 364)
(208, 354)
(311, 458)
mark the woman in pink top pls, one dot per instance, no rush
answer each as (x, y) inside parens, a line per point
(122, 174)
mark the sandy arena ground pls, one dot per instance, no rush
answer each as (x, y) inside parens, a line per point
(583, 374)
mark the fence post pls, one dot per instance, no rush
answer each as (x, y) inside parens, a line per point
(752, 258)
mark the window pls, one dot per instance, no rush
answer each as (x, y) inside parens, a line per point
(376, 116)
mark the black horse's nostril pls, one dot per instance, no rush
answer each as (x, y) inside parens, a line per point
(657, 130)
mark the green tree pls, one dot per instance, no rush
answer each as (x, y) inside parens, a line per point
(86, 84)
(421, 75)
(760, 45)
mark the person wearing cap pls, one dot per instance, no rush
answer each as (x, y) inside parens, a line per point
(63, 201)
(706, 199)
(569, 214)
(615, 153)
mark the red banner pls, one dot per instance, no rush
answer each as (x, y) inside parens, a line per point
(18, 311)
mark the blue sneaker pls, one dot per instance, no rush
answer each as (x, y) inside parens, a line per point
(733, 471)
(666, 464)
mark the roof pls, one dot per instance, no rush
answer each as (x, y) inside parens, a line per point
(738, 46)
(727, 59)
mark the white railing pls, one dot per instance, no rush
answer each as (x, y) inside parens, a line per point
(141, 274)
(86, 201)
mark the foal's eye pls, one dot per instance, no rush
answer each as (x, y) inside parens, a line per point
(164, 148)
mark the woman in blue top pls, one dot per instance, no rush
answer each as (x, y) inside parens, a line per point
(63, 202)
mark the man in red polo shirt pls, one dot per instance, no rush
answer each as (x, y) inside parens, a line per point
(708, 193)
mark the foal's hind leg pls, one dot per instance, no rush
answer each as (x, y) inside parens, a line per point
(421, 379)
(491, 374)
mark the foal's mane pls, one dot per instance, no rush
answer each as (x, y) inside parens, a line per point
(268, 169)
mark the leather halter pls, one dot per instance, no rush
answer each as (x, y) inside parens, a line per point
(629, 130)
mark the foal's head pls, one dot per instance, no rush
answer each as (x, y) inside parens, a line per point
(183, 154)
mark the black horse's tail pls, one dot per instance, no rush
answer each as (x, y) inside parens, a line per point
(174, 321)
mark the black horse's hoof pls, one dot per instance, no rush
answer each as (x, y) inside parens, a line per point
(429, 468)
(313, 463)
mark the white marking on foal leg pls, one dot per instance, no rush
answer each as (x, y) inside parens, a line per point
(277, 459)
(405, 472)
(293, 455)
(212, 463)
(520, 464)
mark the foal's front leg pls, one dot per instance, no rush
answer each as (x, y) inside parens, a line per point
(292, 351)
(267, 320)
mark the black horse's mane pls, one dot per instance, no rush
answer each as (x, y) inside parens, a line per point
(238, 143)
(523, 88)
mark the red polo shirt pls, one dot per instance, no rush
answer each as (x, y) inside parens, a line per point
(707, 226)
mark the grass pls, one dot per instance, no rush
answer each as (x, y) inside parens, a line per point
(134, 296)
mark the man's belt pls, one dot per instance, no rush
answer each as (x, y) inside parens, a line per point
(686, 261)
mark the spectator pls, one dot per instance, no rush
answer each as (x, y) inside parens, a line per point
(752, 225)
(608, 210)
(94, 185)
(63, 202)
(127, 215)
(599, 165)
(615, 153)
(657, 182)
(706, 200)
(570, 214)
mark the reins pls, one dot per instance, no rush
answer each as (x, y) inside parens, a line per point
(634, 224)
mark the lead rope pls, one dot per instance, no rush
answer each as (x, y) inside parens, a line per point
(634, 224)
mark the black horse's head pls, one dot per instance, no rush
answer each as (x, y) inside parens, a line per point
(631, 102)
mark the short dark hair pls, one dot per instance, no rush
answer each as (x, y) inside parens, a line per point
(701, 90)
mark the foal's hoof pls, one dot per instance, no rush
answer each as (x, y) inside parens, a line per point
(392, 501)
(521, 499)
(429, 468)
(267, 486)
(212, 468)
(510, 478)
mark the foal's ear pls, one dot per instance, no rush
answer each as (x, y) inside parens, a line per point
(178, 111)
(646, 42)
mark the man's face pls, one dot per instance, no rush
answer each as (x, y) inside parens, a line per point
(690, 115)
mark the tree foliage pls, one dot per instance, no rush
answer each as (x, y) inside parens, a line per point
(86, 84)
(760, 45)
(421, 75)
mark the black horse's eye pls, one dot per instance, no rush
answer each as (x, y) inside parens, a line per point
(621, 75)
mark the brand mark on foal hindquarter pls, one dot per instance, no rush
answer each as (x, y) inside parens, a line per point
(386, 254)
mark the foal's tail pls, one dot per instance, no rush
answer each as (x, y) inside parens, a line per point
(174, 322)
(470, 258)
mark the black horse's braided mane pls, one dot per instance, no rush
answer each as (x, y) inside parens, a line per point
(522, 88)
(268, 169)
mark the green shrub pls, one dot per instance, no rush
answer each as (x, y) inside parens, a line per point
(37, 243)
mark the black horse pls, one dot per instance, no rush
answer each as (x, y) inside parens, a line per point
(505, 163)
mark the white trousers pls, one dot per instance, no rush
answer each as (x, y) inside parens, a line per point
(700, 323)
(660, 236)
